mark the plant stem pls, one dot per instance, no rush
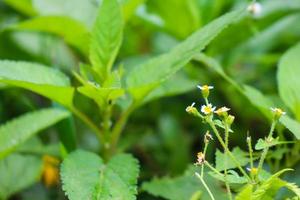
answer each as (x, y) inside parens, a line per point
(206, 187)
(212, 125)
(266, 149)
(212, 168)
(119, 126)
(88, 122)
(204, 152)
(225, 171)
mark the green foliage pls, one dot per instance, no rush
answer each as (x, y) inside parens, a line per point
(72, 31)
(292, 125)
(149, 75)
(85, 176)
(24, 6)
(38, 78)
(181, 187)
(17, 172)
(245, 194)
(18, 130)
(288, 80)
(106, 38)
(187, 20)
(240, 155)
(265, 189)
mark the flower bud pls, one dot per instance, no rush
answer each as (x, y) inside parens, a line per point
(192, 110)
(277, 113)
(230, 119)
(200, 158)
(207, 137)
(205, 90)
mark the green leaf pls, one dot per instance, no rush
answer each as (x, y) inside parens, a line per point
(183, 187)
(129, 8)
(177, 84)
(264, 188)
(149, 75)
(106, 37)
(18, 172)
(38, 78)
(292, 125)
(232, 177)
(85, 176)
(288, 79)
(80, 172)
(102, 96)
(261, 144)
(23, 6)
(240, 155)
(258, 100)
(187, 15)
(20, 129)
(246, 193)
(73, 32)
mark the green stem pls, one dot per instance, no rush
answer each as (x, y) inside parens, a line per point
(206, 187)
(225, 171)
(212, 125)
(119, 126)
(204, 152)
(213, 169)
(266, 149)
(88, 122)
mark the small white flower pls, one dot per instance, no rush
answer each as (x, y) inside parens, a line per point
(278, 112)
(207, 109)
(205, 87)
(255, 9)
(222, 110)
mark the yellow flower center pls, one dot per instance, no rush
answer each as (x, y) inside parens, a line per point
(207, 109)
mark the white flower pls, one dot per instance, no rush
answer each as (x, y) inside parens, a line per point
(277, 112)
(205, 87)
(207, 109)
(222, 110)
(255, 9)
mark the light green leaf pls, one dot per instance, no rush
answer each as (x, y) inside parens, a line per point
(149, 75)
(258, 100)
(20, 129)
(288, 79)
(266, 185)
(38, 78)
(261, 144)
(18, 172)
(23, 6)
(85, 176)
(80, 172)
(129, 7)
(106, 37)
(292, 125)
(102, 96)
(187, 15)
(246, 193)
(232, 177)
(73, 32)
(183, 187)
(240, 155)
